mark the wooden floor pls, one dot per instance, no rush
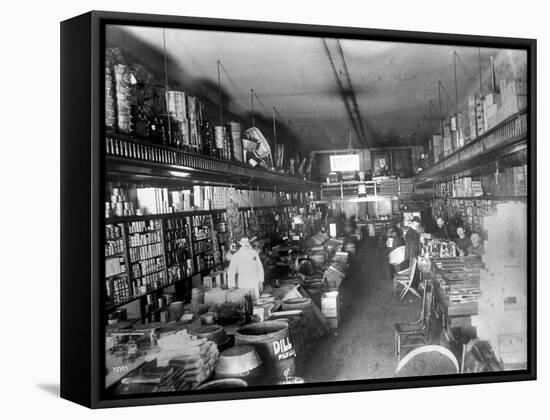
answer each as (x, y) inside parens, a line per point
(362, 346)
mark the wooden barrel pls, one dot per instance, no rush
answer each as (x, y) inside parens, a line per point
(313, 329)
(225, 383)
(240, 362)
(272, 341)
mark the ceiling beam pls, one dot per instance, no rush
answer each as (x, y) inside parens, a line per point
(334, 52)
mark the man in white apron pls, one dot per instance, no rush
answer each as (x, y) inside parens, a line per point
(246, 270)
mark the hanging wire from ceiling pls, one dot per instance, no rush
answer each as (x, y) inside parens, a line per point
(166, 82)
(464, 68)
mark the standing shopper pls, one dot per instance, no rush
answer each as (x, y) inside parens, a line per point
(412, 239)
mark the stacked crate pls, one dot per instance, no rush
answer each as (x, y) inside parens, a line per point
(479, 116)
(491, 106)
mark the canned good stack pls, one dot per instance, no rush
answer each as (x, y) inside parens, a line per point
(194, 136)
(235, 128)
(208, 146)
(177, 111)
(123, 82)
(119, 205)
(222, 144)
(117, 290)
(110, 104)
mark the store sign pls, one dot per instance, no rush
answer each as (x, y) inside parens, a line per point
(344, 163)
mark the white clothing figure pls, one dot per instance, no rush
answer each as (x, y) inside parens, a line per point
(246, 270)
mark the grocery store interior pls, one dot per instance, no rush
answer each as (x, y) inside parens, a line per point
(286, 210)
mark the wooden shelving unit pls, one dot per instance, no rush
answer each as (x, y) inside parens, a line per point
(181, 254)
(173, 229)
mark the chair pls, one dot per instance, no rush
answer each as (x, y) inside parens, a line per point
(405, 279)
(396, 258)
(419, 330)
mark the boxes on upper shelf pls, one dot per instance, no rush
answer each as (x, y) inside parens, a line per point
(436, 147)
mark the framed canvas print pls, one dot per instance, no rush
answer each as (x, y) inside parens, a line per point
(255, 209)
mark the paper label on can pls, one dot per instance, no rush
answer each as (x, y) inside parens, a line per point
(283, 349)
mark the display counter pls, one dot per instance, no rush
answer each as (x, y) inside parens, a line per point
(456, 290)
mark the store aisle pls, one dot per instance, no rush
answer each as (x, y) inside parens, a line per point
(362, 347)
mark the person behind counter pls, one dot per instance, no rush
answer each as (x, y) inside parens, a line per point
(462, 241)
(412, 239)
(476, 248)
(246, 270)
(394, 238)
(441, 231)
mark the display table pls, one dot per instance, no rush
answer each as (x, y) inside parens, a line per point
(456, 289)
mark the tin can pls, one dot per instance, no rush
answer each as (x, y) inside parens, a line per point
(219, 136)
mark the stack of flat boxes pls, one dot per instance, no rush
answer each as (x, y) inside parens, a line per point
(470, 124)
(457, 122)
(436, 147)
(519, 175)
(479, 117)
(462, 187)
(513, 97)
(491, 107)
(477, 188)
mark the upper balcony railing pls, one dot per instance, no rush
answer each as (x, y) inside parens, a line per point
(130, 157)
(368, 190)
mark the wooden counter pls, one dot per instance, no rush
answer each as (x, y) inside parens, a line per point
(456, 287)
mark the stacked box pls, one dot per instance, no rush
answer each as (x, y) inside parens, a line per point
(470, 125)
(447, 142)
(491, 115)
(216, 279)
(477, 189)
(330, 307)
(519, 175)
(479, 117)
(436, 149)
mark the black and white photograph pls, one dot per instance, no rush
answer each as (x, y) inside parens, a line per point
(286, 210)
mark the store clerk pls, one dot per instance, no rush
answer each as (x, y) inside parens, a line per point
(476, 248)
(246, 270)
(462, 241)
(441, 231)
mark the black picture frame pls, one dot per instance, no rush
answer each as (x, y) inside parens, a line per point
(82, 216)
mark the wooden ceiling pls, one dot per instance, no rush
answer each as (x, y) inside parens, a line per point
(390, 83)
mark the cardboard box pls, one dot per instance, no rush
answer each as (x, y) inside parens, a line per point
(216, 279)
(436, 146)
(330, 304)
(447, 145)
